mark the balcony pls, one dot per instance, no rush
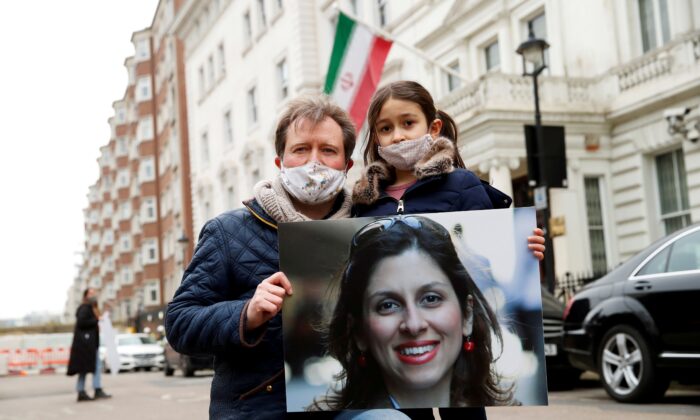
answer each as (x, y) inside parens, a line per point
(642, 82)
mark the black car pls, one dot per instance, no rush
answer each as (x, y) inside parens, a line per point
(639, 325)
(560, 373)
(188, 364)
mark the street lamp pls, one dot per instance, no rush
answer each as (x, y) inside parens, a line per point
(533, 52)
(183, 241)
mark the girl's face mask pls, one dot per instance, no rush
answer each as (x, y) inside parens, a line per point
(312, 183)
(404, 155)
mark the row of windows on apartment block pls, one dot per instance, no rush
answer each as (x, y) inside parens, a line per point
(211, 73)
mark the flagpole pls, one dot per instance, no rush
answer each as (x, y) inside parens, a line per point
(387, 35)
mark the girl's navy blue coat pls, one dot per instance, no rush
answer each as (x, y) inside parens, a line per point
(440, 188)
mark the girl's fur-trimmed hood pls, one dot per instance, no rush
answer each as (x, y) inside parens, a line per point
(438, 161)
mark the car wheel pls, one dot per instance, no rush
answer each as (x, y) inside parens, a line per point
(626, 366)
(187, 369)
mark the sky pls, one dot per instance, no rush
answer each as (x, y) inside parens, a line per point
(61, 67)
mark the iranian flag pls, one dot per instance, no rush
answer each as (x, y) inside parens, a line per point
(356, 65)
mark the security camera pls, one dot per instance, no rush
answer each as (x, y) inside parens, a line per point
(672, 113)
(674, 117)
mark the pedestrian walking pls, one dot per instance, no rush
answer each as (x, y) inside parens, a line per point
(84, 352)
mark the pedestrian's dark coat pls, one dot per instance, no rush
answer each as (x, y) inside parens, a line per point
(440, 187)
(86, 341)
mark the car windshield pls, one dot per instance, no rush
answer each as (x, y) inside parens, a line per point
(135, 340)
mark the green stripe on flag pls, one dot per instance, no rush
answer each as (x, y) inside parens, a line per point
(342, 38)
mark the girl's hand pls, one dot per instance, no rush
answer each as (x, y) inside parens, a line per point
(536, 243)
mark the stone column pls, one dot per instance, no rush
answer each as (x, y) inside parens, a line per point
(499, 172)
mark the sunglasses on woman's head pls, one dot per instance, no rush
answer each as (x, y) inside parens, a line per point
(385, 224)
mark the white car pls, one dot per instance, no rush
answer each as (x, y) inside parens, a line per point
(136, 351)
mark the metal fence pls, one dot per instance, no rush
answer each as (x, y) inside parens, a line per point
(569, 284)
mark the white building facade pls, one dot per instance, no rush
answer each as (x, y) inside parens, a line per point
(615, 69)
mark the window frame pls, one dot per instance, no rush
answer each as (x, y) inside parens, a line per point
(686, 213)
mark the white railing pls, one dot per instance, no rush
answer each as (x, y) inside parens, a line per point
(514, 91)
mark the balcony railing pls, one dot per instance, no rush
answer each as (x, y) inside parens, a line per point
(679, 59)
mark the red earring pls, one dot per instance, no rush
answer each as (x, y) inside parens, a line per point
(469, 345)
(362, 360)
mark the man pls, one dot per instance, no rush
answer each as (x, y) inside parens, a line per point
(229, 301)
(84, 355)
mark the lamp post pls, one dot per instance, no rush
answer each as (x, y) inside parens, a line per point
(183, 241)
(534, 57)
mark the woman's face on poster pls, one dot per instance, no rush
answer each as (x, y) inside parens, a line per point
(413, 322)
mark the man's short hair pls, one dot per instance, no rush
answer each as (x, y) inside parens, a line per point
(314, 108)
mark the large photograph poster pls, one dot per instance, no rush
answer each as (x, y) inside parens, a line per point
(433, 310)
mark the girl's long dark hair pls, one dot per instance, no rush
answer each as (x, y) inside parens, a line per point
(474, 382)
(414, 92)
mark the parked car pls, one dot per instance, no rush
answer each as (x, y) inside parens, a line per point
(639, 326)
(188, 364)
(560, 373)
(136, 351)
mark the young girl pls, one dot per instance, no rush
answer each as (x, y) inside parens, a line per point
(413, 166)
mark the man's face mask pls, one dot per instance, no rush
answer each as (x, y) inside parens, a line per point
(312, 183)
(404, 155)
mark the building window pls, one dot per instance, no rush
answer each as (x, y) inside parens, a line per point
(493, 56)
(122, 149)
(261, 14)
(123, 178)
(125, 210)
(205, 148)
(152, 293)
(537, 27)
(252, 107)
(228, 128)
(222, 60)
(653, 22)
(453, 82)
(247, 29)
(150, 251)
(145, 129)
(125, 244)
(148, 210)
(283, 78)
(672, 190)
(210, 71)
(382, 12)
(143, 89)
(202, 85)
(146, 172)
(143, 50)
(596, 229)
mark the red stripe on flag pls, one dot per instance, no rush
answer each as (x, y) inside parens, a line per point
(370, 80)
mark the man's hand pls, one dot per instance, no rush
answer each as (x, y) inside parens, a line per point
(536, 243)
(267, 300)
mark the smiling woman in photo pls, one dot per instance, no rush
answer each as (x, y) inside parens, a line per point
(410, 328)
